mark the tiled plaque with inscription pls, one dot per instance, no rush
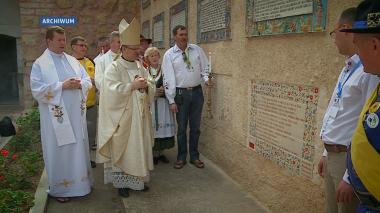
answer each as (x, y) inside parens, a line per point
(271, 17)
(214, 18)
(282, 124)
(158, 31)
(178, 16)
(145, 29)
(145, 3)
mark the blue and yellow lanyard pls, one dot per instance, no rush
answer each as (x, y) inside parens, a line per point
(341, 83)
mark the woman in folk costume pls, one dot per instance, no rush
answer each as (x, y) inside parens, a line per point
(125, 133)
(162, 117)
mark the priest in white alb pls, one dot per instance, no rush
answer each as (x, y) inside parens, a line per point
(125, 133)
(107, 58)
(60, 84)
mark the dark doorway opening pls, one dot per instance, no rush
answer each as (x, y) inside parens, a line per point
(9, 94)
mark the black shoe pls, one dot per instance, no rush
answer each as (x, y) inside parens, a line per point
(155, 160)
(163, 159)
(93, 164)
(124, 192)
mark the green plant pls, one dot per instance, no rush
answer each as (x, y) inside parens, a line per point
(15, 201)
(20, 164)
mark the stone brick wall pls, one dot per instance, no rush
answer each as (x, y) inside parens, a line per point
(95, 19)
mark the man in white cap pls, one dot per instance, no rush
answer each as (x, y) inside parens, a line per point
(125, 133)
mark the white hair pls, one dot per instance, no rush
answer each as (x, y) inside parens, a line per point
(150, 51)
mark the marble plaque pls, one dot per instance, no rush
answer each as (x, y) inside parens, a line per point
(272, 9)
(158, 31)
(178, 19)
(214, 20)
(273, 17)
(282, 124)
(145, 29)
(178, 16)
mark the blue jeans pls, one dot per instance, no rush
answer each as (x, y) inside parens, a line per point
(189, 111)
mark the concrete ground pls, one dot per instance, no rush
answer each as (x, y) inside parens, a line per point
(188, 190)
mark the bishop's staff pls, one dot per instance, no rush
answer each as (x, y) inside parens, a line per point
(209, 88)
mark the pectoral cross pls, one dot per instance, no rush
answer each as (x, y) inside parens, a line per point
(49, 96)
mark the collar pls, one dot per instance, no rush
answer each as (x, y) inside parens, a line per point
(351, 61)
(177, 49)
(127, 59)
(112, 53)
(55, 54)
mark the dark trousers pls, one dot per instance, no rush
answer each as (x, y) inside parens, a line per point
(189, 111)
(92, 114)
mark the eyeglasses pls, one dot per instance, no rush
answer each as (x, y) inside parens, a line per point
(333, 33)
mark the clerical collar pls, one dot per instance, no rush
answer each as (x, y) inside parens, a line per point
(127, 59)
(55, 54)
(113, 54)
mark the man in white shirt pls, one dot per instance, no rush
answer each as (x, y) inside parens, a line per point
(107, 59)
(353, 88)
(185, 66)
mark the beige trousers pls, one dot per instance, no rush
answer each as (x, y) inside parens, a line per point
(334, 171)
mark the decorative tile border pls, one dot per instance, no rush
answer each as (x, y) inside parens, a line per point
(315, 22)
(300, 164)
(214, 32)
(175, 10)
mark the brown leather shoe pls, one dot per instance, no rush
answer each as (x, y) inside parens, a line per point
(179, 164)
(198, 163)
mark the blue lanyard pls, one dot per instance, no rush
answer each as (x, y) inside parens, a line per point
(341, 84)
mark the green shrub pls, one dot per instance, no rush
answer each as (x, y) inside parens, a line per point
(21, 164)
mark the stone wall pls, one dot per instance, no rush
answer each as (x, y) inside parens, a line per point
(95, 19)
(304, 59)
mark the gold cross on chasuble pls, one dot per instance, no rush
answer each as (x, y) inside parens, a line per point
(49, 96)
(66, 183)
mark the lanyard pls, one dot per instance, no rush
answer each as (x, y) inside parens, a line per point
(341, 83)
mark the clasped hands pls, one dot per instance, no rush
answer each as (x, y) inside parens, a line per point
(139, 83)
(72, 83)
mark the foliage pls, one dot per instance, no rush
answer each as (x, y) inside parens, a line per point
(20, 163)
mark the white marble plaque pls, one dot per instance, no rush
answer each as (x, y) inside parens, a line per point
(274, 9)
(178, 19)
(212, 15)
(158, 31)
(281, 122)
(145, 31)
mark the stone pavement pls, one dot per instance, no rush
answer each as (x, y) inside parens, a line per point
(189, 190)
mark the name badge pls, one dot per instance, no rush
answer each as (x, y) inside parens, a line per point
(334, 108)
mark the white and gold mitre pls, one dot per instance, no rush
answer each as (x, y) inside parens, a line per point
(129, 33)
